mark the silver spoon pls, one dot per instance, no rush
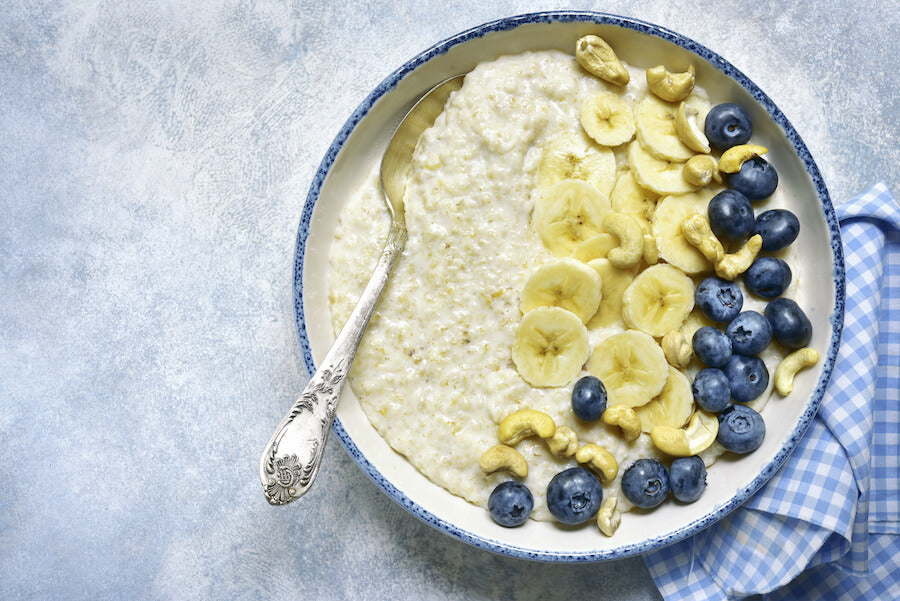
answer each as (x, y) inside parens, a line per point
(291, 460)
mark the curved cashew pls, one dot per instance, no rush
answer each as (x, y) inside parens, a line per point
(734, 157)
(598, 458)
(677, 349)
(598, 58)
(595, 247)
(501, 457)
(627, 420)
(790, 365)
(671, 87)
(700, 432)
(733, 265)
(564, 442)
(699, 170)
(523, 423)
(609, 517)
(697, 232)
(631, 240)
(689, 130)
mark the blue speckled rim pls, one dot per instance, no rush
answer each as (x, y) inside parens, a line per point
(837, 319)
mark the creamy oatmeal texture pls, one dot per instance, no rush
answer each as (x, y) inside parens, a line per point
(434, 373)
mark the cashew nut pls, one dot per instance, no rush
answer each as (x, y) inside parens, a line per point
(501, 457)
(689, 130)
(700, 432)
(631, 240)
(523, 423)
(609, 517)
(734, 157)
(699, 234)
(790, 365)
(595, 247)
(671, 87)
(733, 265)
(598, 58)
(564, 442)
(677, 349)
(700, 169)
(627, 420)
(598, 458)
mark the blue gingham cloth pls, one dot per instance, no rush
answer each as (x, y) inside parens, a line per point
(827, 525)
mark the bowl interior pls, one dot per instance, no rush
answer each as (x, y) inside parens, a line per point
(731, 480)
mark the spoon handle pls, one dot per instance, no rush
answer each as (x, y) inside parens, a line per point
(291, 459)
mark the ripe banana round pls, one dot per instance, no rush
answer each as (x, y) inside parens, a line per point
(565, 283)
(551, 346)
(657, 132)
(608, 119)
(631, 366)
(657, 175)
(672, 407)
(568, 214)
(572, 155)
(673, 247)
(615, 281)
(629, 198)
(658, 300)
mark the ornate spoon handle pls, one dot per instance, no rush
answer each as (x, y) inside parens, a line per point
(291, 459)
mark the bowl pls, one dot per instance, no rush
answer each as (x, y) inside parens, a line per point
(359, 146)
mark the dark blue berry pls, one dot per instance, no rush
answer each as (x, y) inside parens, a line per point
(646, 483)
(574, 495)
(727, 125)
(741, 429)
(747, 377)
(687, 478)
(718, 299)
(778, 228)
(749, 332)
(756, 180)
(589, 398)
(712, 346)
(711, 389)
(510, 504)
(730, 216)
(768, 277)
(790, 325)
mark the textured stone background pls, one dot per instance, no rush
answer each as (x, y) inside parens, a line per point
(154, 158)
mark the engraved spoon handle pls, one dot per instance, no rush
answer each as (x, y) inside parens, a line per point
(291, 460)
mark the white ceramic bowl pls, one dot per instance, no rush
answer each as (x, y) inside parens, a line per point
(359, 146)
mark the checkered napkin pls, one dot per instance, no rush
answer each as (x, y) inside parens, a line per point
(827, 525)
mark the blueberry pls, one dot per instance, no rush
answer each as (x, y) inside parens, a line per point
(741, 429)
(756, 180)
(589, 398)
(712, 346)
(730, 216)
(510, 504)
(646, 483)
(778, 228)
(687, 477)
(574, 495)
(790, 325)
(727, 125)
(768, 277)
(711, 389)
(718, 299)
(747, 377)
(749, 332)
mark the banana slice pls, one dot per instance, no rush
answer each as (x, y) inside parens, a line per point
(566, 283)
(629, 198)
(596, 247)
(673, 247)
(656, 131)
(631, 366)
(658, 300)
(573, 156)
(568, 214)
(657, 175)
(608, 119)
(550, 347)
(672, 407)
(615, 281)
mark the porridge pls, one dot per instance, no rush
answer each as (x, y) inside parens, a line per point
(435, 373)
